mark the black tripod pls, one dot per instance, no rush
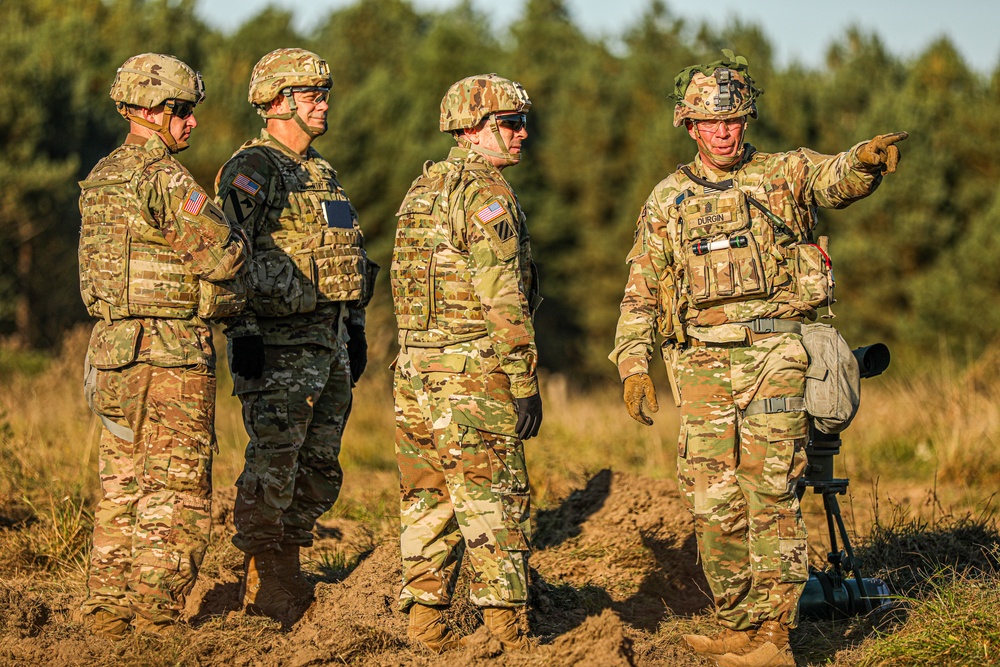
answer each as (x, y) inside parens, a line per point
(861, 596)
(831, 593)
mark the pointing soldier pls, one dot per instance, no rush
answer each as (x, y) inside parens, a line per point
(157, 259)
(465, 388)
(300, 345)
(724, 268)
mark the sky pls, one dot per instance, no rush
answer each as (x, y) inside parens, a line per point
(798, 30)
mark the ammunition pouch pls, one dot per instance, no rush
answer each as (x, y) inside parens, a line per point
(722, 257)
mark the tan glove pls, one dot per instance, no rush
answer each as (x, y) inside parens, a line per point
(638, 387)
(880, 152)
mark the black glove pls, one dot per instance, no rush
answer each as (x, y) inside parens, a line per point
(248, 357)
(529, 416)
(357, 350)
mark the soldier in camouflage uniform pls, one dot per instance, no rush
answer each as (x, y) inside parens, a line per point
(466, 393)
(724, 267)
(300, 345)
(157, 259)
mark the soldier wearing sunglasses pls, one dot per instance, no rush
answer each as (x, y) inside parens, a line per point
(300, 346)
(465, 388)
(157, 261)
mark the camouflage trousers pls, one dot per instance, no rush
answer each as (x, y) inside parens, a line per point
(738, 475)
(295, 416)
(152, 524)
(463, 481)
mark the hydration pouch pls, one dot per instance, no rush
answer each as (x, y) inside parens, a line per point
(833, 379)
(722, 257)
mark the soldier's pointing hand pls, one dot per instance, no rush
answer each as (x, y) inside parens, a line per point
(880, 152)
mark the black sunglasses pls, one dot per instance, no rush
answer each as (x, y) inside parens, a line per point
(181, 109)
(515, 122)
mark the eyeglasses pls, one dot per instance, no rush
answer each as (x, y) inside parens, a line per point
(181, 109)
(312, 94)
(713, 126)
(515, 122)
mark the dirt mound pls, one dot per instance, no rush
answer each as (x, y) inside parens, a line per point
(629, 539)
(21, 614)
(612, 562)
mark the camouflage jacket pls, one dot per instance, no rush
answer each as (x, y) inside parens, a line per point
(283, 199)
(663, 286)
(462, 269)
(179, 214)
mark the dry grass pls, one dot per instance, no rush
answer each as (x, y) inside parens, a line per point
(925, 446)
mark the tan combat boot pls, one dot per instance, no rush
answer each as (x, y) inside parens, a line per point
(768, 648)
(502, 623)
(104, 623)
(427, 627)
(727, 641)
(290, 574)
(264, 591)
(161, 629)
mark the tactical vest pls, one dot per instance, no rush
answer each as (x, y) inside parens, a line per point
(739, 258)
(127, 268)
(311, 249)
(432, 292)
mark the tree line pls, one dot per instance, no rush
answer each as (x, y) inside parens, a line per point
(915, 264)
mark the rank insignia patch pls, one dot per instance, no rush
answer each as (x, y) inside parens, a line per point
(246, 184)
(195, 202)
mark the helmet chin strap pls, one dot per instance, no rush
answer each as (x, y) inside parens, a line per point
(718, 160)
(504, 152)
(174, 145)
(293, 113)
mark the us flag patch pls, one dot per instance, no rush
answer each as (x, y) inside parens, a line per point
(487, 213)
(195, 202)
(246, 184)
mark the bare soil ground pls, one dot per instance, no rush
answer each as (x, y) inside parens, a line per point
(614, 582)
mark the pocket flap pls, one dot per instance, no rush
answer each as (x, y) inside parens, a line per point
(438, 362)
(115, 345)
(485, 414)
(816, 372)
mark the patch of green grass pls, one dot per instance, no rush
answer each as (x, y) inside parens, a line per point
(28, 363)
(955, 623)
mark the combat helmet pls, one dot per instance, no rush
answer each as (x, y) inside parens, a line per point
(151, 79)
(721, 90)
(282, 72)
(474, 98)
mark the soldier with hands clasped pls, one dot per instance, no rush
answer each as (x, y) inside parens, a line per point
(300, 345)
(465, 388)
(157, 260)
(725, 270)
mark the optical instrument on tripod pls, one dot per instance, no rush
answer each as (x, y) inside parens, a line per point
(831, 593)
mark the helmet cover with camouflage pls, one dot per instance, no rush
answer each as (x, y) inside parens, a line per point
(151, 79)
(475, 98)
(721, 90)
(282, 72)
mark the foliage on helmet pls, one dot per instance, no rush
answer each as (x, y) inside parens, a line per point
(720, 90)
(150, 79)
(285, 68)
(474, 98)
